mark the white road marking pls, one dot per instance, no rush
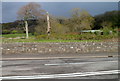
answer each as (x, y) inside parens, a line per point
(80, 74)
(58, 64)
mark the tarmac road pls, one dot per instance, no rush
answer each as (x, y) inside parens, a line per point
(65, 66)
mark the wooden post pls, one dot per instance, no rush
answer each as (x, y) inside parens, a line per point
(26, 27)
(48, 24)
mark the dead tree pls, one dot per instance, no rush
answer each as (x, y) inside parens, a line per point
(48, 24)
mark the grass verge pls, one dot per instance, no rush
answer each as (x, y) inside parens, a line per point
(31, 40)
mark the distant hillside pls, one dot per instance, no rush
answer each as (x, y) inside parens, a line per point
(19, 25)
(112, 17)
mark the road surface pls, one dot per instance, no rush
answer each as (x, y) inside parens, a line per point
(72, 66)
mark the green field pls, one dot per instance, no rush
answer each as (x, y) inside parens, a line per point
(33, 40)
(12, 38)
(15, 35)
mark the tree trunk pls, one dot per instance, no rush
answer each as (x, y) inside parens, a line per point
(26, 28)
(48, 23)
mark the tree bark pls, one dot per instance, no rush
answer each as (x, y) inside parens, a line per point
(48, 23)
(26, 27)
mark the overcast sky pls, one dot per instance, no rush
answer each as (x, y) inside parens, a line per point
(9, 9)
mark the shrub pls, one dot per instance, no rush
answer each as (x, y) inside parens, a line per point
(85, 36)
(97, 33)
(66, 37)
(41, 37)
(6, 32)
(14, 31)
